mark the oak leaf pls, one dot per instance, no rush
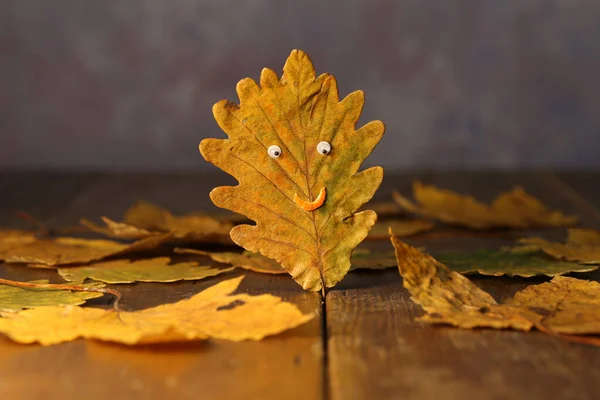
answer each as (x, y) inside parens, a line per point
(68, 250)
(13, 298)
(562, 306)
(498, 263)
(295, 152)
(145, 270)
(582, 245)
(246, 260)
(513, 209)
(196, 227)
(212, 313)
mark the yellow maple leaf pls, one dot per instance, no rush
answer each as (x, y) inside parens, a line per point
(295, 151)
(561, 306)
(147, 270)
(583, 246)
(513, 209)
(212, 313)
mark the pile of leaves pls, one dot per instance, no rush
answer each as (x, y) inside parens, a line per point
(294, 148)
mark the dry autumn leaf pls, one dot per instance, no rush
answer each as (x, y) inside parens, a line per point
(583, 246)
(367, 259)
(294, 149)
(13, 298)
(213, 313)
(498, 263)
(189, 228)
(119, 230)
(246, 260)
(147, 270)
(561, 306)
(514, 209)
(401, 228)
(67, 250)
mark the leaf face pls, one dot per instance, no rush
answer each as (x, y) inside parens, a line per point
(212, 313)
(295, 152)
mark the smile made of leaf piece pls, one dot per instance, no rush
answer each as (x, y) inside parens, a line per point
(294, 148)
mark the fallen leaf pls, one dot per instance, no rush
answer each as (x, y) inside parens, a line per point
(294, 149)
(213, 313)
(569, 305)
(514, 209)
(373, 260)
(246, 260)
(147, 270)
(401, 228)
(583, 246)
(561, 306)
(498, 263)
(14, 237)
(189, 228)
(14, 298)
(119, 230)
(67, 250)
(361, 259)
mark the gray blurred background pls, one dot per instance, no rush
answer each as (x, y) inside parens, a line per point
(129, 84)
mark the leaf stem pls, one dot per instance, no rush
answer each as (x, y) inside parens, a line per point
(76, 288)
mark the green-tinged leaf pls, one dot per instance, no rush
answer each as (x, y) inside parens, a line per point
(246, 260)
(497, 263)
(148, 270)
(14, 298)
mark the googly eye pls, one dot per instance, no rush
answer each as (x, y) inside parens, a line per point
(324, 148)
(274, 151)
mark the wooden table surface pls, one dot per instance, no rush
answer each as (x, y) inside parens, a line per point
(365, 343)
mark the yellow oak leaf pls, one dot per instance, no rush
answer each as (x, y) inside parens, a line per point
(295, 152)
(68, 250)
(196, 227)
(146, 270)
(13, 298)
(212, 313)
(562, 306)
(513, 209)
(583, 246)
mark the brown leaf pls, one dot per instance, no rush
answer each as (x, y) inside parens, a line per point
(514, 209)
(213, 313)
(118, 230)
(401, 228)
(366, 259)
(189, 228)
(295, 150)
(583, 246)
(561, 306)
(246, 260)
(67, 250)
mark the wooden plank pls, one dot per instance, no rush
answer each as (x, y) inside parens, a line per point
(39, 194)
(285, 366)
(376, 349)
